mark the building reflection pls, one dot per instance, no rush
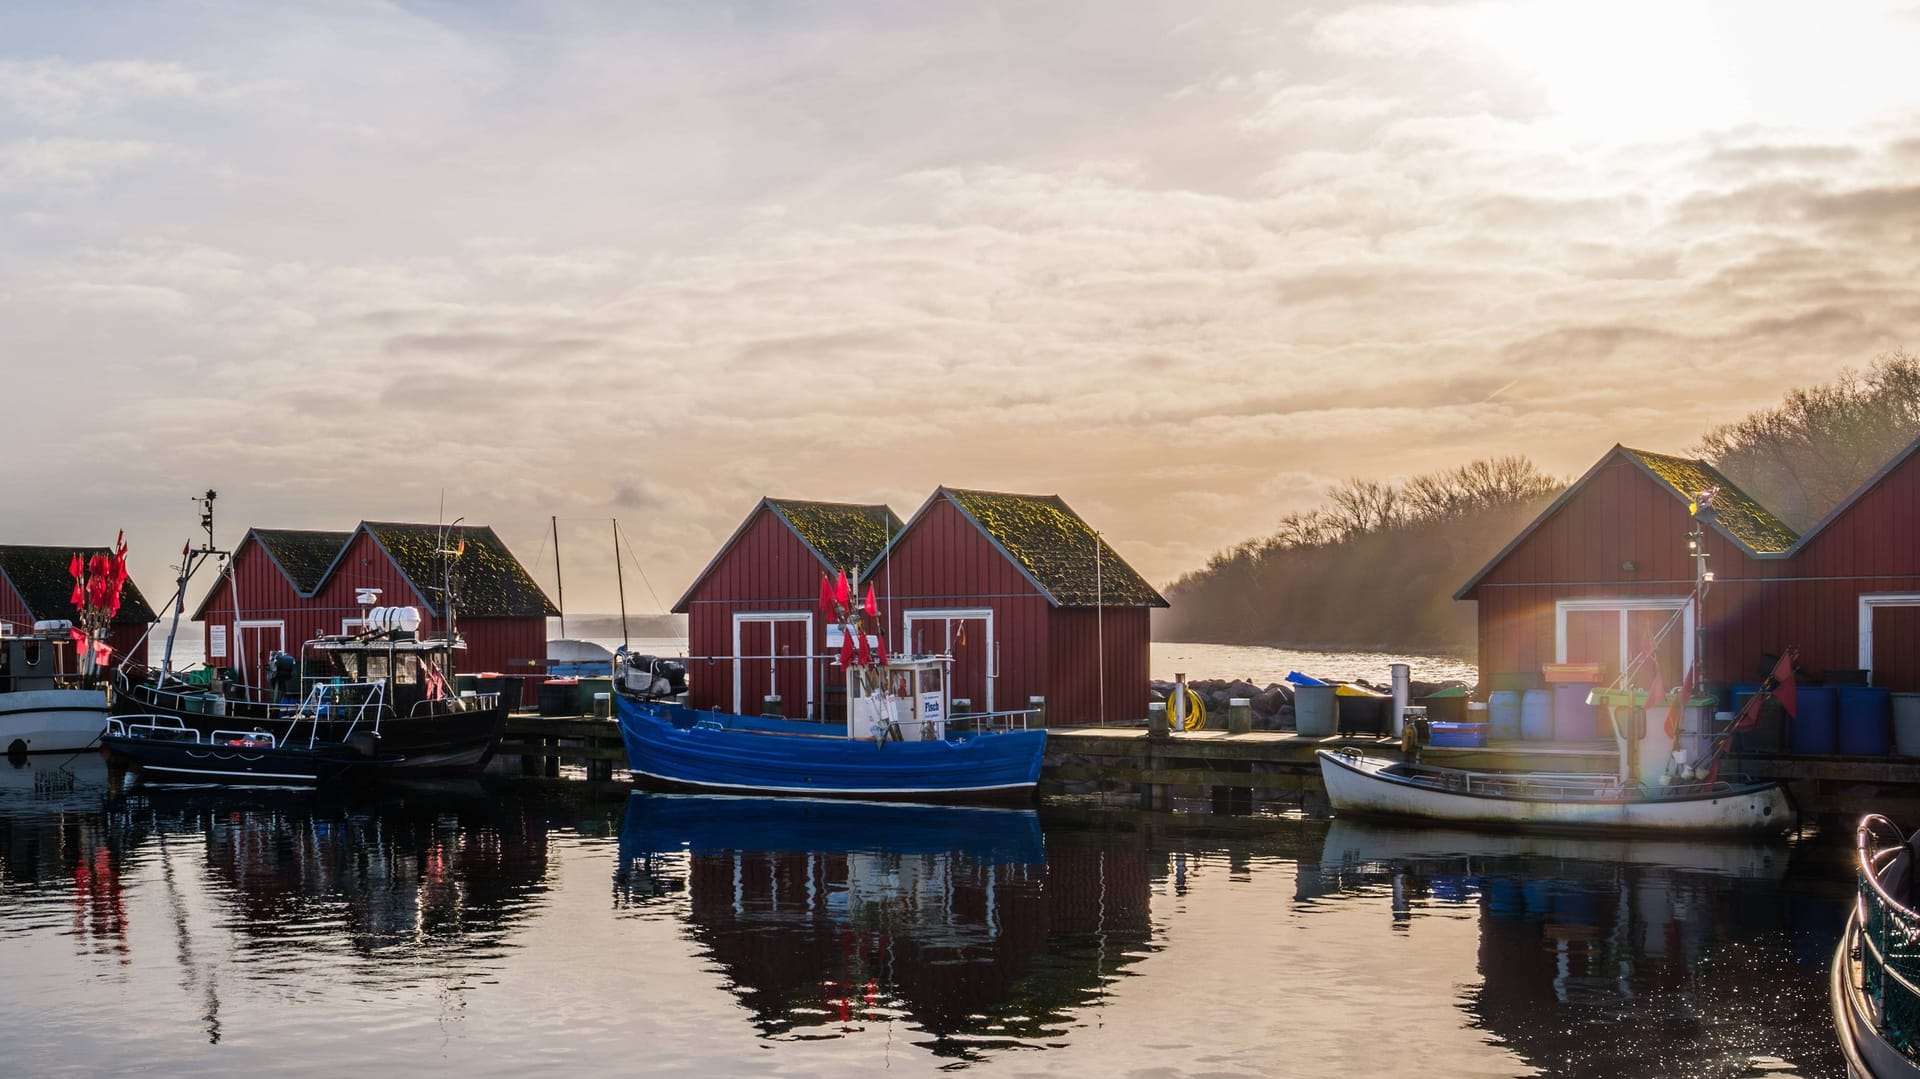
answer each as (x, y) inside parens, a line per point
(1585, 945)
(53, 842)
(829, 916)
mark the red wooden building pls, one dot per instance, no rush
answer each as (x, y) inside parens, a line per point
(36, 585)
(283, 587)
(1028, 600)
(1608, 563)
(754, 627)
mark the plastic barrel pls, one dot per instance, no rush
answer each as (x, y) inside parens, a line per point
(1865, 719)
(1815, 727)
(1906, 724)
(1313, 710)
(1536, 715)
(1574, 720)
(1476, 713)
(1503, 710)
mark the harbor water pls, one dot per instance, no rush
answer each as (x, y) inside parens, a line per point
(492, 927)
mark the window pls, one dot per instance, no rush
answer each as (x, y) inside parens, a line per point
(1612, 631)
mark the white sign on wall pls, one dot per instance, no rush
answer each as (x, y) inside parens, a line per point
(216, 642)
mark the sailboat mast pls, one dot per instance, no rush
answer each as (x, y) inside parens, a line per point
(619, 578)
(559, 585)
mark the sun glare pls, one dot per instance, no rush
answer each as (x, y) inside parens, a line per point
(1640, 70)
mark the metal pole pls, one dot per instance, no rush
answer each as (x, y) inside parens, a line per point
(559, 585)
(1100, 628)
(619, 578)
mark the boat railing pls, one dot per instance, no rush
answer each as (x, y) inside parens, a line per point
(352, 703)
(172, 729)
(993, 722)
(478, 702)
(1550, 784)
(1889, 931)
(202, 700)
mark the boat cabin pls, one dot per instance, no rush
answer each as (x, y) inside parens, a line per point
(911, 707)
(32, 661)
(413, 670)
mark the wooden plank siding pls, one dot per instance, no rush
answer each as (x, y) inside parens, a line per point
(766, 570)
(125, 638)
(1807, 598)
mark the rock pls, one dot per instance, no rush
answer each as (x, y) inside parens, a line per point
(1242, 688)
(1270, 703)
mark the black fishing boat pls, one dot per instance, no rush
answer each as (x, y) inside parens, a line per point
(164, 747)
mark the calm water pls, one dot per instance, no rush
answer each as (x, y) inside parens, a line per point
(490, 930)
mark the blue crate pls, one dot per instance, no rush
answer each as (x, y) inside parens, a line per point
(1459, 735)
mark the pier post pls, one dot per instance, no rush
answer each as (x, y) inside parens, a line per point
(1038, 705)
(1239, 715)
(1177, 715)
(1157, 721)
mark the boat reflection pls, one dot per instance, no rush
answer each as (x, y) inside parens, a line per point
(56, 867)
(829, 916)
(1580, 937)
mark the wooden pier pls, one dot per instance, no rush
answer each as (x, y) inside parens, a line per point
(1274, 766)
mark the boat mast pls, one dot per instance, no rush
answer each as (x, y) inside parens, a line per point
(190, 560)
(559, 585)
(447, 555)
(619, 578)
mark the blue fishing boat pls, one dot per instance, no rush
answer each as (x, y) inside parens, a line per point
(718, 824)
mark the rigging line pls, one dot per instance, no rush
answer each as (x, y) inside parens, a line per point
(642, 570)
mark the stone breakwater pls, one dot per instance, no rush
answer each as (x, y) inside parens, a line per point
(1273, 705)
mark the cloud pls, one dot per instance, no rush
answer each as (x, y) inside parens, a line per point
(69, 162)
(55, 91)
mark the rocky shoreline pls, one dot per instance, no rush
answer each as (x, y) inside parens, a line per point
(1273, 705)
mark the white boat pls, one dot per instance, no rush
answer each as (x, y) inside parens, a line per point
(44, 707)
(1876, 998)
(1360, 785)
(1354, 843)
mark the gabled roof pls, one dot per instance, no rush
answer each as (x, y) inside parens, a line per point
(303, 554)
(40, 576)
(1052, 546)
(1736, 515)
(1859, 492)
(842, 535)
(491, 582)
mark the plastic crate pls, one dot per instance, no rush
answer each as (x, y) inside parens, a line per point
(1459, 735)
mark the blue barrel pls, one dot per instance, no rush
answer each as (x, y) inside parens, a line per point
(1866, 717)
(1503, 711)
(1536, 715)
(1815, 726)
(1574, 720)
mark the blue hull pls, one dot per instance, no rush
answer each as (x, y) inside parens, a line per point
(715, 751)
(711, 824)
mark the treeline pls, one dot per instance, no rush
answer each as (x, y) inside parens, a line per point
(1377, 565)
(1374, 568)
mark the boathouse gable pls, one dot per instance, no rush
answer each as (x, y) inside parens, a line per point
(36, 584)
(754, 627)
(1011, 587)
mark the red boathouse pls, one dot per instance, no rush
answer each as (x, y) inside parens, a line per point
(1608, 562)
(283, 587)
(36, 586)
(754, 627)
(1028, 599)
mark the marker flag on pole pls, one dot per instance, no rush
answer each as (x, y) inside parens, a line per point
(870, 606)
(841, 595)
(826, 595)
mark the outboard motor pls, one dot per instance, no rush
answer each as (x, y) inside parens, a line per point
(650, 677)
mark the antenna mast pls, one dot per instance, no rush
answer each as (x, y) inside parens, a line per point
(190, 559)
(619, 578)
(559, 585)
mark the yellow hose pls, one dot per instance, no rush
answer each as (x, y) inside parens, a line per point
(1196, 710)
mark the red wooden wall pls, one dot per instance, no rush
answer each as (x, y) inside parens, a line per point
(1755, 607)
(766, 570)
(122, 636)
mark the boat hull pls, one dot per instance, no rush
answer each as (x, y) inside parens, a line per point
(1869, 1055)
(714, 758)
(715, 824)
(436, 742)
(1364, 786)
(180, 761)
(52, 720)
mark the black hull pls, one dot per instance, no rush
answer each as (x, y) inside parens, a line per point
(442, 742)
(180, 761)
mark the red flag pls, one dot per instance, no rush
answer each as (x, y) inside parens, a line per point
(826, 595)
(846, 649)
(1749, 716)
(1784, 689)
(870, 606)
(881, 656)
(841, 595)
(74, 567)
(866, 651)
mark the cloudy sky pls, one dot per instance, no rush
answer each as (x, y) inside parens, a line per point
(1184, 264)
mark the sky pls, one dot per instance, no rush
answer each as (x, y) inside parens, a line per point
(1184, 264)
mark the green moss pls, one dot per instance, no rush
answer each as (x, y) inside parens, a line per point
(491, 582)
(305, 554)
(1743, 518)
(1057, 549)
(844, 535)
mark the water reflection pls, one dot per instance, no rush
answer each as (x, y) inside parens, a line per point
(1611, 957)
(828, 916)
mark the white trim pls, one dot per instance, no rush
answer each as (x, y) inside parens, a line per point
(770, 617)
(1623, 605)
(948, 615)
(1868, 601)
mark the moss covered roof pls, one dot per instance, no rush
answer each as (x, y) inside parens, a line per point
(1736, 511)
(303, 554)
(844, 535)
(1043, 535)
(490, 581)
(40, 575)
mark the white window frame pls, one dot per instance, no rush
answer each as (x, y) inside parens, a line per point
(240, 626)
(1869, 602)
(948, 615)
(1623, 605)
(742, 617)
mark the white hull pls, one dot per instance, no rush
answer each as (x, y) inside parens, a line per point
(52, 720)
(1365, 786)
(1869, 1056)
